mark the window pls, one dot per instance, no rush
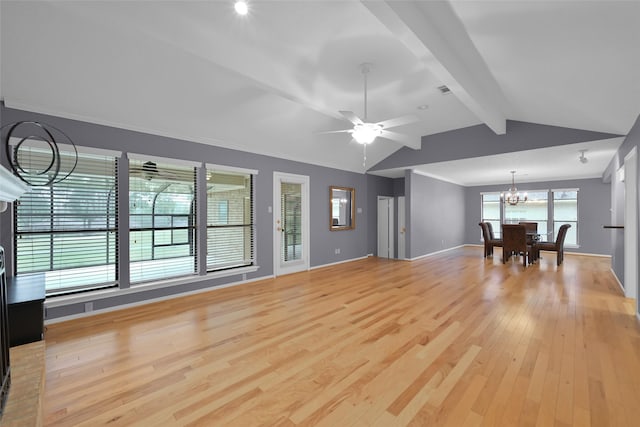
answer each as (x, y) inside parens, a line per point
(565, 211)
(534, 210)
(162, 208)
(67, 231)
(491, 204)
(230, 218)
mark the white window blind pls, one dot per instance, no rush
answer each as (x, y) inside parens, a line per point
(565, 211)
(67, 231)
(491, 205)
(230, 219)
(162, 220)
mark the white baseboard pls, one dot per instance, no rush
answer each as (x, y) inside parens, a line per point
(618, 281)
(587, 254)
(566, 252)
(152, 300)
(434, 253)
(339, 262)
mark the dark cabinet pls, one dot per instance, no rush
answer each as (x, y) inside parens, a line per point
(26, 309)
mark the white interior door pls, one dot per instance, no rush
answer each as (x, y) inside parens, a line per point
(631, 225)
(385, 227)
(291, 223)
(401, 228)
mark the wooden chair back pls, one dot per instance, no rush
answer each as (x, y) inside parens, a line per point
(562, 233)
(490, 227)
(485, 231)
(514, 241)
(531, 227)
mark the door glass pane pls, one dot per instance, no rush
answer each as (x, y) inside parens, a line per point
(291, 206)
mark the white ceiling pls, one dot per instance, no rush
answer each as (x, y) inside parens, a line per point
(544, 164)
(267, 82)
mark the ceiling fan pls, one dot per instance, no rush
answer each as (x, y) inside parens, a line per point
(149, 171)
(364, 132)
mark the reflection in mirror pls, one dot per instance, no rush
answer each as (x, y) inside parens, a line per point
(342, 202)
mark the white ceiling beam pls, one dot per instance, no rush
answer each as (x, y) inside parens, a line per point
(434, 34)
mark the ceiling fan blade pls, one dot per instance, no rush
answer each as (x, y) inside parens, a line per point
(334, 131)
(414, 142)
(351, 116)
(399, 121)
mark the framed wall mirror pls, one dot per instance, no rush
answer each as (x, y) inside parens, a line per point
(342, 208)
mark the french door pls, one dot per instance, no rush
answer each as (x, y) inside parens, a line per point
(291, 223)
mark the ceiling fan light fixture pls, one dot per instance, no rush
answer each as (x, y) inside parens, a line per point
(366, 133)
(241, 7)
(149, 170)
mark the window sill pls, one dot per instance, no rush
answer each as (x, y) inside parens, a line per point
(109, 293)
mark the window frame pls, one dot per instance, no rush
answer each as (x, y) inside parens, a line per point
(547, 219)
(57, 229)
(189, 170)
(496, 230)
(551, 220)
(575, 224)
(251, 174)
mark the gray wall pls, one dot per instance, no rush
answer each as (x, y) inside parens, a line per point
(593, 211)
(352, 243)
(398, 187)
(479, 140)
(436, 214)
(617, 198)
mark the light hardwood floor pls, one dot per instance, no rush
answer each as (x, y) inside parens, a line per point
(449, 340)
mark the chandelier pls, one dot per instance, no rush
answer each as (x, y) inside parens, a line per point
(513, 196)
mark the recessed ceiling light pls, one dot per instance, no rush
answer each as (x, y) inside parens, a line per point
(241, 7)
(422, 107)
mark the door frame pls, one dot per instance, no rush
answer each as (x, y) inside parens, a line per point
(304, 264)
(402, 228)
(631, 284)
(391, 244)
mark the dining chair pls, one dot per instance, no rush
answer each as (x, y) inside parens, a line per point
(514, 241)
(557, 246)
(489, 239)
(532, 234)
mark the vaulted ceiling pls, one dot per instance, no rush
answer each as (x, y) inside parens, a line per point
(270, 81)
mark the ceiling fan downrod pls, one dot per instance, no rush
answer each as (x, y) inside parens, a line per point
(365, 68)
